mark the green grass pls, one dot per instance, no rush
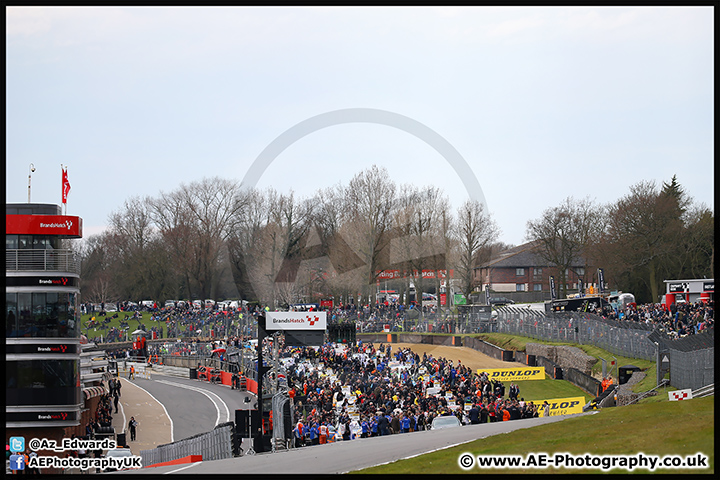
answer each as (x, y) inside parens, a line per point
(534, 390)
(513, 342)
(654, 426)
(662, 428)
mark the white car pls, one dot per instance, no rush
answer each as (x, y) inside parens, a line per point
(445, 421)
(117, 453)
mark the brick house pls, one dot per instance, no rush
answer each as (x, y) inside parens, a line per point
(522, 275)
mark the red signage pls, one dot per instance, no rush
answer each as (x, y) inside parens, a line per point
(64, 225)
(393, 274)
(388, 274)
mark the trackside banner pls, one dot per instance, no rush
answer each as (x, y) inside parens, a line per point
(514, 374)
(561, 406)
(296, 320)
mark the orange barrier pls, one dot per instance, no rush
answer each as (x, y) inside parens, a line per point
(252, 386)
(179, 461)
(226, 378)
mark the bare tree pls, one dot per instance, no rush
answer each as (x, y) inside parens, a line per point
(418, 246)
(96, 282)
(369, 202)
(475, 231)
(646, 238)
(196, 220)
(245, 240)
(566, 232)
(698, 243)
(326, 240)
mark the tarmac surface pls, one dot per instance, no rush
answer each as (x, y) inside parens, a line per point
(169, 408)
(154, 424)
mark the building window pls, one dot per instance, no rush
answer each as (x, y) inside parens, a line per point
(537, 287)
(519, 272)
(519, 287)
(40, 314)
(537, 272)
(42, 382)
(11, 242)
(580, 271)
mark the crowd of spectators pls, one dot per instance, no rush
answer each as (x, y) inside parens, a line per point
(394, 391)
(678, 321)
(187, 320)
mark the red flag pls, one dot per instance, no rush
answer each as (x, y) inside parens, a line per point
(65, 185)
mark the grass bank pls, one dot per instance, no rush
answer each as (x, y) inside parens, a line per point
(663, 428)
(514, 342)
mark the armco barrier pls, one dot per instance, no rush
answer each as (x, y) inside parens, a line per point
(170, 370)
(484, 347)
(586, 382)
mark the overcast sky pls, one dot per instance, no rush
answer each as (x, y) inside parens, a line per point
(541, 103)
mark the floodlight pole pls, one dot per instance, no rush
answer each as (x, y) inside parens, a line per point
(261, 370)
(31, 169)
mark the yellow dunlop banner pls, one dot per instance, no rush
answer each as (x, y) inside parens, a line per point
(514, 374)
(561, 406)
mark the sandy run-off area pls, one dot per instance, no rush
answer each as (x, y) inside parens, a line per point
(467, 356)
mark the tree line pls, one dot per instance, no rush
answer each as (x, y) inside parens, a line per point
(214, 238)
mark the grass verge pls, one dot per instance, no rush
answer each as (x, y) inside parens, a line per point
(683, 429)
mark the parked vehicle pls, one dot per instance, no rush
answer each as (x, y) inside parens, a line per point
(500, 301)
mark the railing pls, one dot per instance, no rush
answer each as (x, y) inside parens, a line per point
(42, 260)
(705, 391)
(662, 383)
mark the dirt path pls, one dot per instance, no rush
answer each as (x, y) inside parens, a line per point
(467, 356)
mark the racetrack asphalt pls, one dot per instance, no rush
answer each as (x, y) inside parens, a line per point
(172, 408)
(169, 408)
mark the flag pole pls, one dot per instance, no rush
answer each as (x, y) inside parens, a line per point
(62, 186)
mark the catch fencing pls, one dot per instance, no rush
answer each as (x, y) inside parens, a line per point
(213, 445)
(691, 359)
(629, 339)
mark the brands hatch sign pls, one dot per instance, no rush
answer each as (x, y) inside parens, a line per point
(296, 321)
(65, 225)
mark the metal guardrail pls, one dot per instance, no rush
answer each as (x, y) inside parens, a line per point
(170, 370)
(705, 391)
(42, 260)
(662, 383)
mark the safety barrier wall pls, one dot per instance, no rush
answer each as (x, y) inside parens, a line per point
(586, 382)
(213, 445)
(170, 370)
(484, 347)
